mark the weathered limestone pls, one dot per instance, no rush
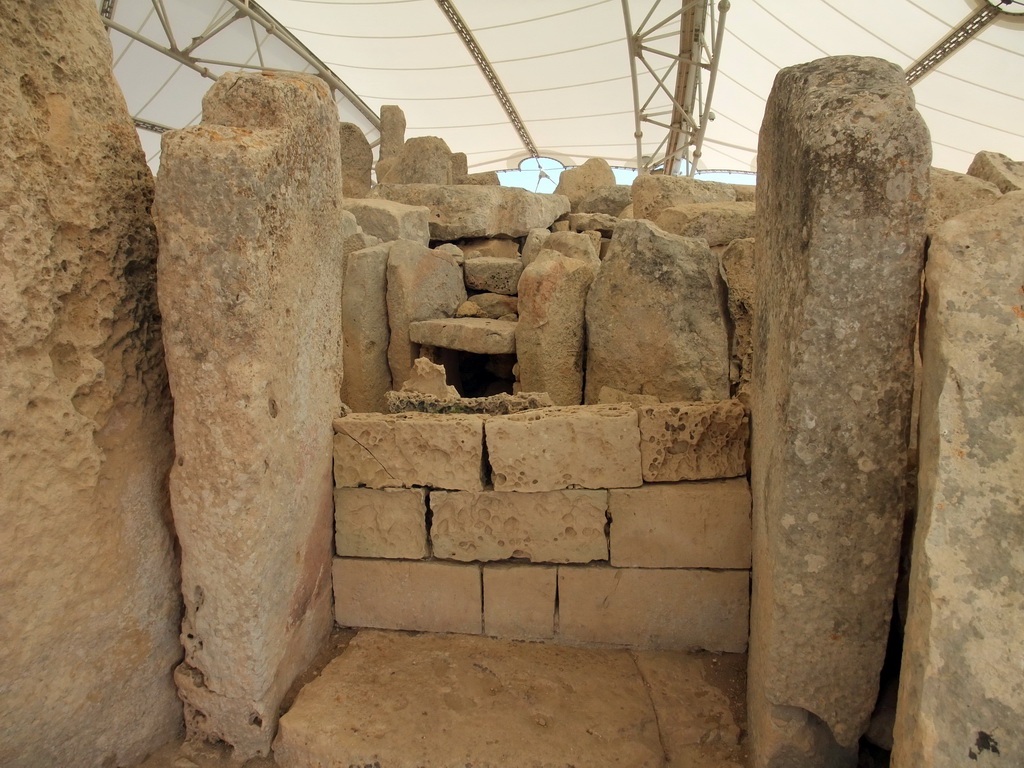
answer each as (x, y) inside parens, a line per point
(479, 335)
(388, 523)
(502, 403)
(364, 328)
(685, 609)
(250, 279)
(580, 182)
(356, 161)
(556, 448)
(551, 527)
(681, 525)
(654, 192)
(609, 200)
(574, 245)
(478, 211)
(423, 284)
(405, 450)
(421, 160)
(745, 193)
(391, 221)
(693, 441)
(599, 222)
(416, 595)
(493, 274)
(550, 332)
(392, 131)
(519, 601)
(718, 223)
(495, 305)
(738, 271)
(955, 193)
(482, 179)
(491, 246)
(656, 318)
(842, 187)
(961, 696)
(89, 601)
(427, 378)
(1006, 174)
(460, 167)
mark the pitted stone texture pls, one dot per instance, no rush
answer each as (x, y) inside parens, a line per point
(423, 284)
(738, 271)
(956, 193)
(392, 131)
(609, 200)
(654, 192)
(961, 655)
(519, 601)
(551, 527)
(364, 328)
(410, 449)
(421, 160)
(501, 248)
(572, 447)
(429, 378)
(580, 182)
(479, 335)
(493, 274)
(502, 403)
(656, 318)
(478, 211)
(550, 332)
(413, 595)
(677, 608)
(356, 161)
(842, 189)
(388, 523)
(694, 441)
(681, 525)
(89, 598)
(250, 277)
(391, 221)
(1006, 174)
(718, 223)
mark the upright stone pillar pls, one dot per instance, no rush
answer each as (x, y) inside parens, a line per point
(961, 699)
(842, 189)
(247, 208)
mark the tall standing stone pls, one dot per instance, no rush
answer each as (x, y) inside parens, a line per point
(356, 161)
(392, 131)
(961, 699)
(842, 190)
(247, 209)
(364, 328)
(89, 605)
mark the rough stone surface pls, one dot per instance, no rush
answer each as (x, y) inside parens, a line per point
(478, 211)
(550, 332)
(738, 271)
(491, 246)
(429, 378)
(1006, 174)
(479, 335)
(390, 522)
(961, 693)
(656, 318)
(681, 525)
(955, 193)
(482, 179)
(493, 274)
(580, 182)
(551, 527)
(406, 450)
(421, 160)
(392, 131)
(391, 221)
(489, 702)
(460, 167)
(423, 284)
(249, 293)
(495, 305)
(573, 245)
(654, 192)
(693, 441)
(364, 328)
(89, 600)
(589, 222)
(414, 595)
(408, 402)
(609, 200)
(679, 608)
(548, 450)
(519, 601)
(745, 193)
(718, 223)
(842, 189)
(356, 161)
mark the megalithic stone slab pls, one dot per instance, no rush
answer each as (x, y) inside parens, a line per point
(842, 190)
(656, 318)
(961, 699)
(250, 277)
(364, 327)
(356, 160)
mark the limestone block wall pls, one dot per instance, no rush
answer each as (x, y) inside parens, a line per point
(564, 524)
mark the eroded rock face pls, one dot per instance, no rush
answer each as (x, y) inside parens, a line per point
(387, 522)
(391, 221)
(738, 271)
(580, 182)
(961, 696)
(693, 441)
(421, 160)
(718, 223)
(88, 586)
(654, 192)
(250, 278)
(1006, 174)
(842, 190)
(955, 193)
(364, 327)
(356, 161)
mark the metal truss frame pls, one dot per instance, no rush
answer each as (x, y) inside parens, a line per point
(700, 36)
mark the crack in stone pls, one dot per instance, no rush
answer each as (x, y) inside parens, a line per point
(654, 708)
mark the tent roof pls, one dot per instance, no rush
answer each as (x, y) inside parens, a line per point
(565, 65)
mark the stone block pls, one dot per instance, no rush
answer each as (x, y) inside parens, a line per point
(579, 182)
(392, 131)
(609, 200)
(495, 305)
(482, 179)
(391, 221)
(479, 335)
(738, 271)
(681, 525)
(499, 248)
(493, 274)
(654, 192)
(593, 222)
(998, 169)
(956, 193)
(412, 595)
(502, 403)
(682, 609)
(356, 161)
(549, 527)
(693, 441)
(421, 160)
(519, 601)
(364, 329)
(718, 223)
(584, 246)
(409, 449)
(571, 447)
(385, 523)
